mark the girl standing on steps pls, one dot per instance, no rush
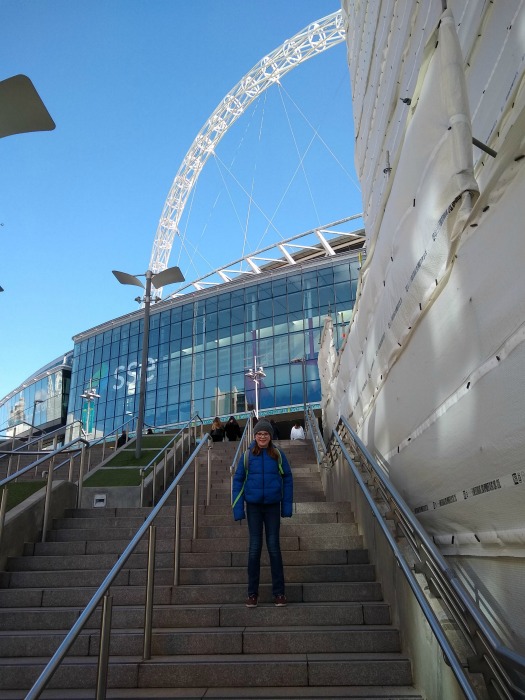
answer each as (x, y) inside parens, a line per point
(263, 480)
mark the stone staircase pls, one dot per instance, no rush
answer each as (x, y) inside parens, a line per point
(333, 640)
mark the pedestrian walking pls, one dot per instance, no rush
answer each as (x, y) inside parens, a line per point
(297, 432)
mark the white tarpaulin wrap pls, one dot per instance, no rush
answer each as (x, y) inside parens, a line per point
(428, 204)
(326, 361)
(432, 371)
(437, 390)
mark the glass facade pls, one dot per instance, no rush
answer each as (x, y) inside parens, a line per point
(202, 345)
(41, 401)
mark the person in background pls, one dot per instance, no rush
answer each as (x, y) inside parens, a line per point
(232, 429)
(217, 430)
(297, 432)
(276, 433)
(122, 440)
(263, 481)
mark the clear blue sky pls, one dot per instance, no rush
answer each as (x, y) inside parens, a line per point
(129, 84)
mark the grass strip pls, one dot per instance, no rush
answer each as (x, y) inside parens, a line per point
(21, 490)
(156, 440)
(127, 458)
(114, 477)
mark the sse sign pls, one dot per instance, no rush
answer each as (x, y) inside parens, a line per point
(130, 375)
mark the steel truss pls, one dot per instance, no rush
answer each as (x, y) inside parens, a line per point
(316, 38)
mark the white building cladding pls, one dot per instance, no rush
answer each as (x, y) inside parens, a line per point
(432, 370)
(202, 344)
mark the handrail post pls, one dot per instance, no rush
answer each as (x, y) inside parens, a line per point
(47, 503)
(13, 442)
(176, 547)
(81, 475)
(70, 473)
(208, 482)
(9, 466)
(142, 478)
(165, 470)
(154, 485)
(195, 499)
(103, 652)
(55, 445)
(148, 613)
(3, 508)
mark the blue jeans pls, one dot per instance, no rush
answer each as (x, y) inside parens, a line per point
(269, 516)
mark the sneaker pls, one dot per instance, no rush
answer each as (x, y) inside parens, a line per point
(280, 601)
(251, 601)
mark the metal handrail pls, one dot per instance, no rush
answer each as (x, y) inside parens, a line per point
(49, 456)
(29, 467)
(317, 438)
(4, 483)
(24, 448)
(447, 649)
(164, 451)
(153, 463)
(244, 443)
(493, 658)
(105, 439)
(51, 667)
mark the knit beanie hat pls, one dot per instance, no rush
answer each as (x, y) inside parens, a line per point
(263, 426)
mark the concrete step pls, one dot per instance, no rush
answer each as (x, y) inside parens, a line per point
(218, 615)
(346, 591)
(196, 576)
(169, 511)
(233, 544)
(211, 640)
(275, 693)
(336, 633)
(218, 671)
(205, 519)
(289, 528)
(188, 560)
(244, 693)
(239, 529)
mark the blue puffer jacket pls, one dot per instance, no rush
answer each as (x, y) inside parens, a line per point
(262, 484)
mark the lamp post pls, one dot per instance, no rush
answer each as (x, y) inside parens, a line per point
(256, 374)
(90, 395)
(158, 280)
(296, 361)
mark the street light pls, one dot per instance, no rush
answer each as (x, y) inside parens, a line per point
(22, 109)
(158, 280)
(256, 374)
(90, 395)
(296, 361)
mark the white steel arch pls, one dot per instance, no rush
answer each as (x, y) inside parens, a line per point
(316, 38)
